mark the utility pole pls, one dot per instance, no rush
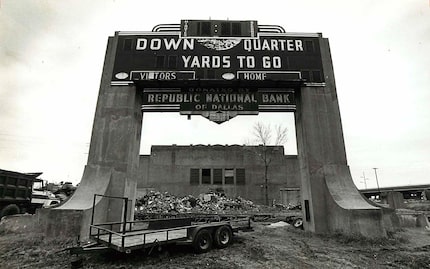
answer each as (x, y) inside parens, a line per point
(364, 180)
(376, 176)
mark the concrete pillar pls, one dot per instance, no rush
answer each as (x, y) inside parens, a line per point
(330, 200)
(395, 200)
(113, 160)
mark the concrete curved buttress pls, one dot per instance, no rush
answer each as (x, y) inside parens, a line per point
(113, 161)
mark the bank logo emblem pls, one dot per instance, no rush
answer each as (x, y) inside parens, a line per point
(219, 43)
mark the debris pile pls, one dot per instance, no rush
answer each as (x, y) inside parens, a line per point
(158, 202)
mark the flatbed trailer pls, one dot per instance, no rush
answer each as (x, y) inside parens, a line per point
(202, 231)
(184, 231)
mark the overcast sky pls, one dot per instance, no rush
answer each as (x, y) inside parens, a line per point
(52, 53)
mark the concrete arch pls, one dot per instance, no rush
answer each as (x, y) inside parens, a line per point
(331, 200)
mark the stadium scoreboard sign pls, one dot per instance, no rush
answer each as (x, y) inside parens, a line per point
(217, 50)
(240, 56)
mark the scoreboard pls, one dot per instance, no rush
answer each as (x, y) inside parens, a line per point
(217, 51)
(217, 69)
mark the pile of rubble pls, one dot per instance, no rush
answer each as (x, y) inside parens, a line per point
(217, 203)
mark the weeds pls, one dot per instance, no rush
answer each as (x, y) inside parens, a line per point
(393, 238)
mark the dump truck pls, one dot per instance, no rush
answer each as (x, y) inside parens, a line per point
(18, 196)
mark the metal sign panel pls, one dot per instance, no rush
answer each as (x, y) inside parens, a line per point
(197, 100)
(217, 69)
(170, 57)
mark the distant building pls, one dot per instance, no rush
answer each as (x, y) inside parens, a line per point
(236, 170)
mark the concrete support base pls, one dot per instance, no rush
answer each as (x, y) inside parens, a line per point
(113, 162)
(348, 212)
(330, 201)
(75, 216)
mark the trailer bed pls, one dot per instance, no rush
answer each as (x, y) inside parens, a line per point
(130, 239)
(196, 229)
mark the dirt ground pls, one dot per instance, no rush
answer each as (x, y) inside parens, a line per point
(265, 247)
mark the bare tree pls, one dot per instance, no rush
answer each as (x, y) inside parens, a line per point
(264, 136)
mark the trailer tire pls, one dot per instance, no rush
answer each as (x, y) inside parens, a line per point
(223, 236)
(11, 209)
(298, 223)
(202, 241)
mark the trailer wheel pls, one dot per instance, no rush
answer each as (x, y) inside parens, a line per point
(298, 223)
(223, 236)
(202, 241)
(11, 209)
